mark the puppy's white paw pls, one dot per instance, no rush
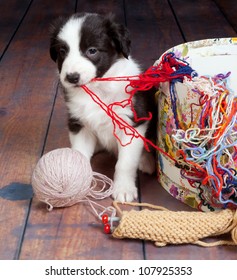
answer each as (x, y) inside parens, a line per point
(124, 192)
(147, 163)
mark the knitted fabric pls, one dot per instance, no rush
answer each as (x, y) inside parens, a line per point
(168, 227)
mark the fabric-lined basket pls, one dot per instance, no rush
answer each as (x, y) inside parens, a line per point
(208, 58)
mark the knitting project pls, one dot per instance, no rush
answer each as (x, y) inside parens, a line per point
(169, 227)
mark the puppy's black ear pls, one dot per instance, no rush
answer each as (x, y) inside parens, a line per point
(54, 30)
(52, 50)
(119, 35)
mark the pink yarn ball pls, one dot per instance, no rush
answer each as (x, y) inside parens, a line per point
(62, 178)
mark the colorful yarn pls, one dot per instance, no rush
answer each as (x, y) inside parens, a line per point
(206, 148)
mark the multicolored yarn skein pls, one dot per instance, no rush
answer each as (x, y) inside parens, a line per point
(207, 146)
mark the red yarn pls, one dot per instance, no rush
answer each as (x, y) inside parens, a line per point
(166, 71)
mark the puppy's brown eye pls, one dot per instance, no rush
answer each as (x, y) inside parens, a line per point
(63, 51)
(91, 52)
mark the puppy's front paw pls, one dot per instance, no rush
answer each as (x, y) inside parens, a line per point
(124, 192)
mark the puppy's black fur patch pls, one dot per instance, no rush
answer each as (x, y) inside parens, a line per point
(112, 41)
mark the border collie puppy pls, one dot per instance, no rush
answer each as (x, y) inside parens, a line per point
(86, 46)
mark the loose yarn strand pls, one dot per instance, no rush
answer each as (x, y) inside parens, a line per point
(104, 191)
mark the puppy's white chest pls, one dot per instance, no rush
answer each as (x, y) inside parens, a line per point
(91, 115)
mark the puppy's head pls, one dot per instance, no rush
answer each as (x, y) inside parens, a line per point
(85, 46)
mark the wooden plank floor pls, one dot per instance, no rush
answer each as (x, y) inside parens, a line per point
(33, 121)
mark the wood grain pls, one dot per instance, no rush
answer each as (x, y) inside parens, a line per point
(27, 95)
(10, 21)
(229, 10)
(201, 19)
(153, 29)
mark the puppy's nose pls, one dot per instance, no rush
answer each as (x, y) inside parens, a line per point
(73, 78)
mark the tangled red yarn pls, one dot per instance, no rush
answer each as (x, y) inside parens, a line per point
(170, 68)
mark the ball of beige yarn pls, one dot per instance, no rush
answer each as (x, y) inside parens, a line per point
(62, 178)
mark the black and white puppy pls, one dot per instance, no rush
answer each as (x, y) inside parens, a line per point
(86, 46)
